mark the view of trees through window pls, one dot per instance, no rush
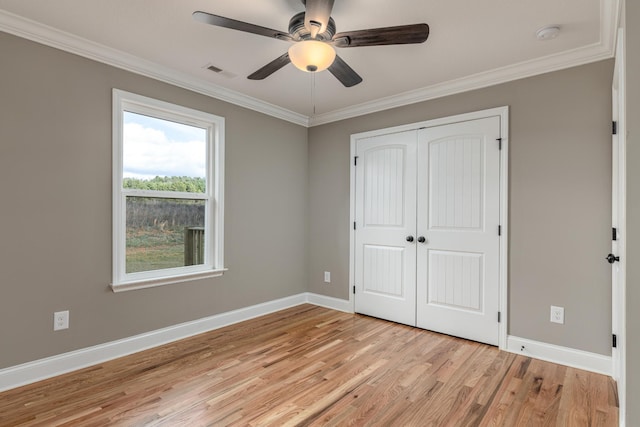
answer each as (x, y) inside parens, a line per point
(158, 230)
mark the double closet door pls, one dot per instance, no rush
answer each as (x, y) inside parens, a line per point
(427, 209)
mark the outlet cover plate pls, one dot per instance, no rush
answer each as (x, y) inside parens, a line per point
(557, 314)
(61, 320)
(327, 277)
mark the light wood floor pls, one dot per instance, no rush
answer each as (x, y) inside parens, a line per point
(313, 366)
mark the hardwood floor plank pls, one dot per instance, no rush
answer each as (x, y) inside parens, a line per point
(311, 366)
(547, 404)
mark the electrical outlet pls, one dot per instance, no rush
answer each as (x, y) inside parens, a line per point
(61, 320)
(327, 277)
(557, 314)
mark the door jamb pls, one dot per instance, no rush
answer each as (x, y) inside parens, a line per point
(503, 113)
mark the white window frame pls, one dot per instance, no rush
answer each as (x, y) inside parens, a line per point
(213, 196)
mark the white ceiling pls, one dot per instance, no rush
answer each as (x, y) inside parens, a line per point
(472, 43)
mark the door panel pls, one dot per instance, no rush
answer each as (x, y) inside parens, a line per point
(456, 280)
(456, 183)
(384, 185)
(458, 214)
(385, 268)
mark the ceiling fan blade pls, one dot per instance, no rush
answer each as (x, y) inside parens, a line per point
(270, 68)
(317, 15)
(221, 21)
(344, 73)
(403, 34)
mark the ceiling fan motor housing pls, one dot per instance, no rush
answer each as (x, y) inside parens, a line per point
(299, 32)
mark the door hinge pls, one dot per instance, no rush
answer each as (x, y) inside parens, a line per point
(615, 341)
(499, 230)
(499, 143)
(354, 225)
(499, 317)
(355, 161)
(354, 289)
(614, 128)
(614, 233)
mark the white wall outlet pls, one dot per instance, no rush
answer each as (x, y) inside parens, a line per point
(327, 277)
(61, 320)
(557, 314)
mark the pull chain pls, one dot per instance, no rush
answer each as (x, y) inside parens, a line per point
(313, 92)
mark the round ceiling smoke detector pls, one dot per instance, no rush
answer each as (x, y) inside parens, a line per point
(547, 33)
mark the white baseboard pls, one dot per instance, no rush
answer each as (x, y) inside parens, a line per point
(329, 302)
(562, 355)
(30, 372)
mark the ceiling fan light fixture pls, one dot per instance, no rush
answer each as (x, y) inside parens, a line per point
(312, 56)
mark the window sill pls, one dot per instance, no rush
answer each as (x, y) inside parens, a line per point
(162, 281)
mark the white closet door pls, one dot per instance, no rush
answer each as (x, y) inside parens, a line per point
(385, 270)
(458, 217)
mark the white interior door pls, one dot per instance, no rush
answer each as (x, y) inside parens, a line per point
(427, 216)
(385, 262)
(458, 207)
(618, 220)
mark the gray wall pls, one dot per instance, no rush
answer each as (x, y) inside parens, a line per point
(559, 199)
(633, 212)
(55, 216)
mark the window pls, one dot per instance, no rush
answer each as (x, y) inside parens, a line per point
(168, 164)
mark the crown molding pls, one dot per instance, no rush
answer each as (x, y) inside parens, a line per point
(493, 77)
(49, 36)
(604, 49)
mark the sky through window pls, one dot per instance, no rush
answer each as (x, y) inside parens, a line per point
(156, 147)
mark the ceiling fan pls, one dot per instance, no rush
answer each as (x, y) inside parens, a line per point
(313, 34)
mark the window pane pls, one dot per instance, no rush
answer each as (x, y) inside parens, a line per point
(164, 233)
(163, 155)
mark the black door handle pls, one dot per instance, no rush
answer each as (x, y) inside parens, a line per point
(612, 258)
(409, 238)
(422, 239)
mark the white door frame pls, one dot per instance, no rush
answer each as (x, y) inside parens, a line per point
(503, 113)
(618, 285)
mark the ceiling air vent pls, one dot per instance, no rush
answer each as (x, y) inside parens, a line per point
(219, 71)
